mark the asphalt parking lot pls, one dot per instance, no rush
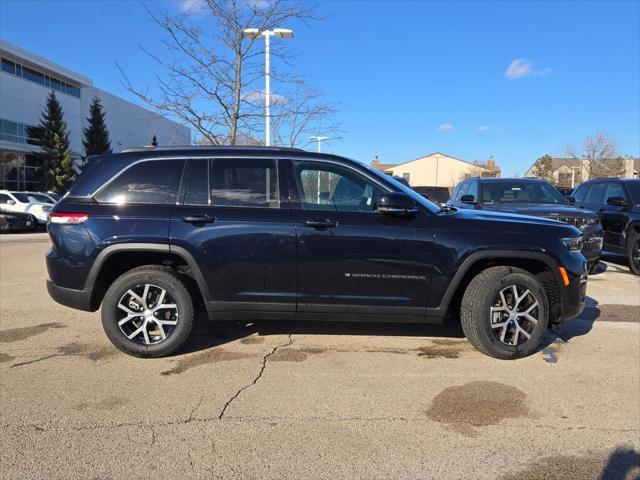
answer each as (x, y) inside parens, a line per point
(279, 400)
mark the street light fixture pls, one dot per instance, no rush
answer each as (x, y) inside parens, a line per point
(267, 34)
(319, 140)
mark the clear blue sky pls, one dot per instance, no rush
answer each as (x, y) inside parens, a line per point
(413, 77)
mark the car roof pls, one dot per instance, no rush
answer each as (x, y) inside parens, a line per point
(100, 168)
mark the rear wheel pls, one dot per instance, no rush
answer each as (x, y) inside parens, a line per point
(505, 312)
(633, 252)
(147, 312)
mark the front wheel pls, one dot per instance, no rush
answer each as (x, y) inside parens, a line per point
(147, 312)
(633, 252)
(505, 312)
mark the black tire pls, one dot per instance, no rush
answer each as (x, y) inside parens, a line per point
(475, 314)
(633, 243)
(164, 278)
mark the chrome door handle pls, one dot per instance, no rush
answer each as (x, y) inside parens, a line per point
(321, 223)
(199, 219)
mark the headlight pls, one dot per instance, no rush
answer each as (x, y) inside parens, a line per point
(574, 244)
(591, 221)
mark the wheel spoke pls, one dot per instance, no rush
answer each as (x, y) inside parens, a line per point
(163, 292)
(145, 293)
(524, 332)
(136, 332)
(514, 336)
(521, 298)
(163, 335)
(136, 296)
(498, 325)
(145, 332)
(127, 318)
(166, 322)
(532, 319)
(166, 306)
(504, 332)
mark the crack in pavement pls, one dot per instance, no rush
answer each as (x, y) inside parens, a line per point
(255, 380)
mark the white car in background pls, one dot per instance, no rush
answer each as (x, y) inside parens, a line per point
(26, 202)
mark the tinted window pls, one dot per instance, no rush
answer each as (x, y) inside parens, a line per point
(634, 189)
(596, 193)
(614, 189)
(464, 188)
(8, 66)
(520, 192)
(244, 183)
(152, 182)
(581, 193)
(325, 186)
(33, 75)
(473, 190)
(197, 183)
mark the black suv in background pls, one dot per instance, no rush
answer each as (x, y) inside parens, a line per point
(270, 233)
(530, 196)
(617, 202)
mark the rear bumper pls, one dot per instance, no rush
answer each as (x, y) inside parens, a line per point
(78, 299)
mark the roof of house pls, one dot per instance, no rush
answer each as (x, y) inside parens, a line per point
(384, 167)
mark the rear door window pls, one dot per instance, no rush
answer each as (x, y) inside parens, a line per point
(615, 189)
(244, 183)
(149, 182)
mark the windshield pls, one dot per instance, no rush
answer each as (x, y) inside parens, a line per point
(432, 207)
(30, 197)
(520, 192)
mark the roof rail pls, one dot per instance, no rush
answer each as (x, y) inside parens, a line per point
(152, 148)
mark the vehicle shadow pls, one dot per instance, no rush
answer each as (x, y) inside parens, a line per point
(620, 463)
(576, 327)
(209, 334)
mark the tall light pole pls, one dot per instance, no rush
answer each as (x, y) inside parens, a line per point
(319, 140)
(267, 34)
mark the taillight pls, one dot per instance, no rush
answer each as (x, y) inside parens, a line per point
(66, 218)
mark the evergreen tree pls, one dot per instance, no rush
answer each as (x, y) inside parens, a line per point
(543, 168)
(96, 136)
(54, 139)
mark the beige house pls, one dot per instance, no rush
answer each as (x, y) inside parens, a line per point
(569, 172)
(438, 170)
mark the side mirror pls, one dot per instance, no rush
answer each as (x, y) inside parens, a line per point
(570, 200)
(397, 204)
(468, 199)
(11, 202)
(617, 201)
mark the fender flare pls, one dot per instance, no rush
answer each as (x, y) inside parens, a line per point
(107, 252)
(441, 310)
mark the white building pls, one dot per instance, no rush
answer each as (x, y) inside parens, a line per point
(438, 170)
(25, 82)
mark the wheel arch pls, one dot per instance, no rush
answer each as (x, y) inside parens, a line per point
(115, 260)
(542, 265)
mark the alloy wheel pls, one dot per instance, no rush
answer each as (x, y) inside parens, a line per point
(514, 315)
(147, 314)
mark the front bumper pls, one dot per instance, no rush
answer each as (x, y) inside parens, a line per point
(592, 242)
(572, 296)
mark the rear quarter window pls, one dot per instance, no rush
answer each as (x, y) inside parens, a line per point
(149, 182)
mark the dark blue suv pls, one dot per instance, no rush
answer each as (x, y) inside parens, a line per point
(150, 235)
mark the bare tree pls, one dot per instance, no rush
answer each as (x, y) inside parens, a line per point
(600, 156)
(301, 114)
(212, 74)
